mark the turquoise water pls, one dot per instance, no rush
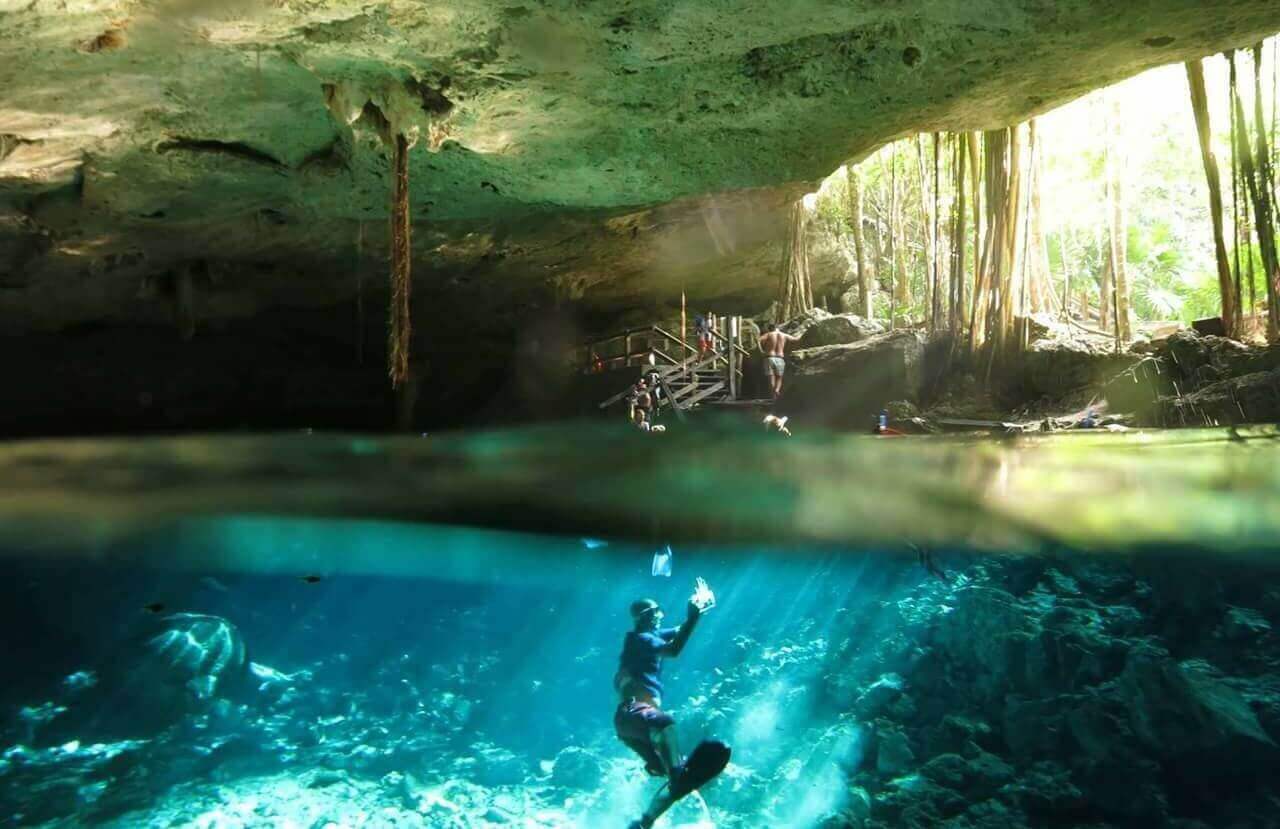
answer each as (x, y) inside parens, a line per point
(1072, 630)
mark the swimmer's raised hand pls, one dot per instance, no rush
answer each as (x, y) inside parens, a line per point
(702, 599)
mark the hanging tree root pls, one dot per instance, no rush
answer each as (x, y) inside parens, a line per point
(399, 329)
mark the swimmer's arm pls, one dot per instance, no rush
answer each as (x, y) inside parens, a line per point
(683, 632)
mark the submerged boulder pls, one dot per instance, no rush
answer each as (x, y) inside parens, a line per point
(893, 754)
(577, 768)
(878, 696)
(1242, 625)
(977, 778)
(1183, 708)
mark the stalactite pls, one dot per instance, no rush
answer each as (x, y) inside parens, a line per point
(399, 329)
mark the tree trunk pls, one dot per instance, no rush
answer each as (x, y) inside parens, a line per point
(901, 303)
(1119, 247)
(853, 180)
(1239, 222)
(975, 176)
(1200, 107)
(979, 312)
(994, 296)
(1267, 194)
(1064, 255)
(1260, 197)
(928, 250)
(1043, 297)
(795, 293)
(903, 284)
(937, 231)
(958, 234)
(1008, 262)
(1106, 284)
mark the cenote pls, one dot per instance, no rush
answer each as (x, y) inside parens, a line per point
(639, 414)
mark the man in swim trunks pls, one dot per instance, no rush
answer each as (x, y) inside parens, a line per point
(639, 720)
(774, 345)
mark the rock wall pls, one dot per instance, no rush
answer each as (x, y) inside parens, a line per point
(566, 150)
(1195, 380)
(846, 385)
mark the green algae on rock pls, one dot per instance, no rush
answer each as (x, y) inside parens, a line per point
(221, 131)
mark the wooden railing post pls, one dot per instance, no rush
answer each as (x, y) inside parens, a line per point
(737, 344)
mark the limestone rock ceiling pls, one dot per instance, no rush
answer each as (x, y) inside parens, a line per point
(566, 148)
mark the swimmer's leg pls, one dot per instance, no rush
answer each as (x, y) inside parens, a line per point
(664, 743)
(664, 740)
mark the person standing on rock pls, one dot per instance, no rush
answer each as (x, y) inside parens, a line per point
(774, 345)
(639, 720)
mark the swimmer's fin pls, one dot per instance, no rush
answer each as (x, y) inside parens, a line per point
(704, 763)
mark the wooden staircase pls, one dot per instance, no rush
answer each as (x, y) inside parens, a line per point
(685, 382)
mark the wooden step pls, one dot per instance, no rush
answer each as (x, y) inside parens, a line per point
(704, 394)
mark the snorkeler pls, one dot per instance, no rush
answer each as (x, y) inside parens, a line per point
(640, 721)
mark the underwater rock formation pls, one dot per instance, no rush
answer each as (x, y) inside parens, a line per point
(1016, 692)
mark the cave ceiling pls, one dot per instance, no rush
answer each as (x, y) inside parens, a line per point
(608, 153)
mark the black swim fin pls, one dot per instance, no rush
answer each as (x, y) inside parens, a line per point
(706, 761)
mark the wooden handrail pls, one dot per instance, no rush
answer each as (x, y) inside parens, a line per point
(673, 338)
(692, 389)
(717, 335)
(664, 372)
